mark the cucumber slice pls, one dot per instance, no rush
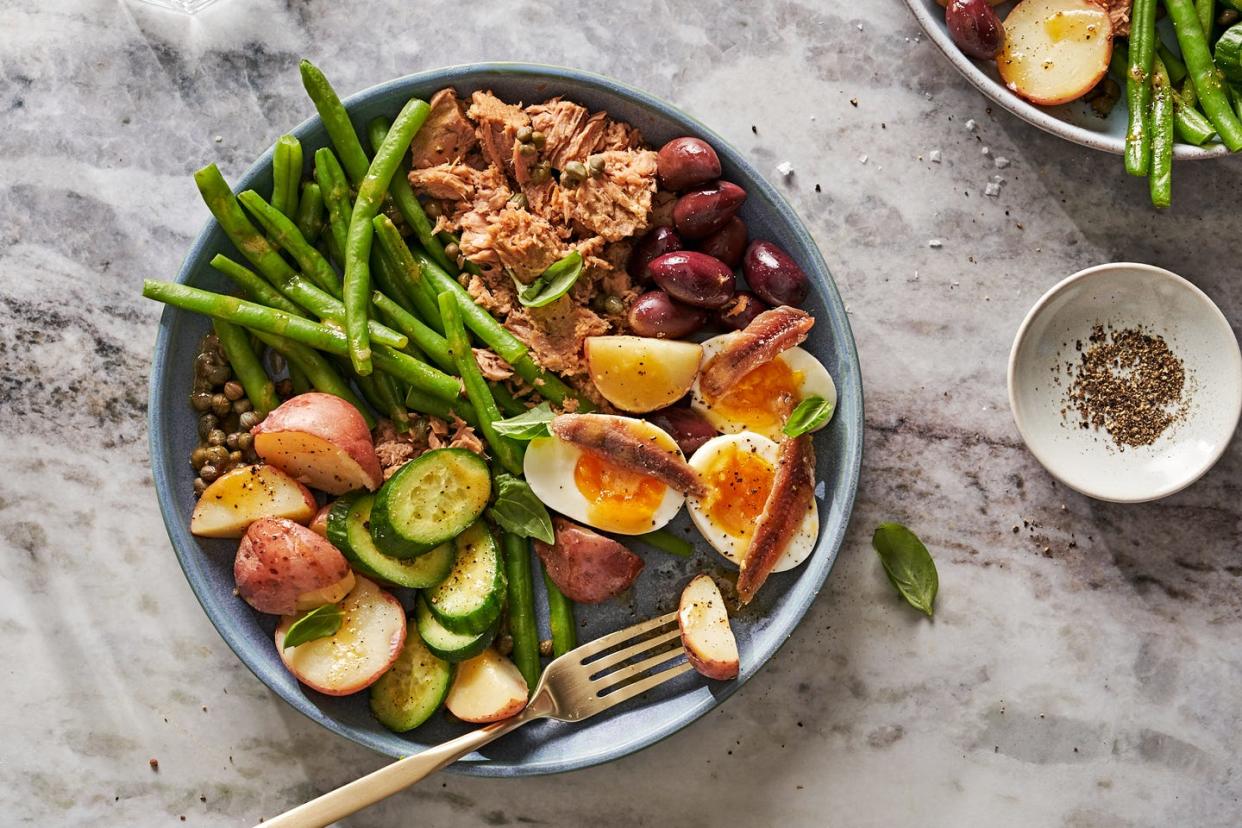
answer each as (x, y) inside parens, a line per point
(1229, 53)
(448, 645)
(430, 500)
(470, 598)
(413, 688)
(349, 531)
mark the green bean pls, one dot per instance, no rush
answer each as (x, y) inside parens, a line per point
(560, 618)
(666, 541)
(1161, 177)
(522, 607)
(298, 379)
(1189, 123)
(317, 370)
(420, 375)
(1138, 86)
(407, 203)
(1206, 9)
(335, 120)
(421, 293)
(310, 212)
(1208, 81)
(361, 231)
(389, 401)
(286, 174)
(385, 277)
(509, 404)
(506, 452)
(255, 247)
(1172, 64)
(246, 366)
(253, 285)
(336, 196)
(428, 341)
(416, 400)
(286, 234)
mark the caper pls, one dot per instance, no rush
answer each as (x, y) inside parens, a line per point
(231, 440)
(524, 135)
(198, 457)
(208, 472)
(595, 164)
(200, 486)
(452, 250)
(233, 390)
(220, 405)
(203, 363)
(220, 374)
(1227, 17)
(284, 388)
(206, 423)
(248, 420)
(527, 149)
(250, 455)
(201, 401)
(518, 200)
(217, 456)
(433, 209)
(216, 437)
(245, 441)
(538, 139)
(242, 406)
(276, 361)
(201, 385)
(613, 305)
(235, 457)
(574, 172)
(541, 172)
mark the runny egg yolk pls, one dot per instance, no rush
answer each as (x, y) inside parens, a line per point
(763, 398)
(619, 499)
(738, 483)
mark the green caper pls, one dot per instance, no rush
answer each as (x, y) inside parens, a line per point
(201, 401)
(198, 457)
(231, 440)
(541, 172)
(206, 423)
(235, 458)
(574, 172)
(200, 486)
(433, 209)
(452, 250)
(217, 456)
(208, 473)
(614, 305)
(201, 386)
(242, 406)
(203, 363)
(527, 149)
(250, 455)
(216, 437)
(233, 390)
(245, 441)
(220, 405)
(284, 388)
(220, 374)
(248, 420)
(595, 164)
(524, 135)
(275, 361)
(518, 200)
(538, 139)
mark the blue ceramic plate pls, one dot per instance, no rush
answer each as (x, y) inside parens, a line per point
(542, 747)
(1073, 121)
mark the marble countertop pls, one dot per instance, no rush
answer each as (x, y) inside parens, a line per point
(1083, 667)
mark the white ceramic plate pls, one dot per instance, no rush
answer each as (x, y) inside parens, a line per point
(1124, 294)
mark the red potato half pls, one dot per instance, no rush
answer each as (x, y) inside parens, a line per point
(282, 568)
(585, 565)
(705, 631)
(486, 688)
(1055, 50)
(242, 496)
(371, 636)
(322, 441)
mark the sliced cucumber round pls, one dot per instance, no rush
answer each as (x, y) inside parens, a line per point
(472, 595)
(448, 645)
(431, 499)
(413, 688)
(349, 531)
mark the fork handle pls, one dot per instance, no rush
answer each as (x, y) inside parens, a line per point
(390, 779)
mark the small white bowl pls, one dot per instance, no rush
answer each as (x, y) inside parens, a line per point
(1125, 294)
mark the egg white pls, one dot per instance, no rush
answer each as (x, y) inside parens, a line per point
(734, 549)
(549, 468)
(816, 382)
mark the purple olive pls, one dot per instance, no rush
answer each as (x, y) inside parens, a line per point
(728, 243)
(773, 275)
(687, 162)
(975, 28)
(657, 242)
(694, 278)
(741, 311)
(699, 214)
(656, 314)
(685, 425)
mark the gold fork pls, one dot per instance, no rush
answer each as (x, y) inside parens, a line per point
(574, 687)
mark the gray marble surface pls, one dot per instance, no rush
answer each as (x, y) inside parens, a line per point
(1081, 671)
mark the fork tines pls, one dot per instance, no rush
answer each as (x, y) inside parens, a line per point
(598, 657)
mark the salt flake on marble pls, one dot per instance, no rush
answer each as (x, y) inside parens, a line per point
(934, 155)
(935, 244)
(986, 151)
(971, 126)
(785, 168)
(1001, 162)
(862, 159)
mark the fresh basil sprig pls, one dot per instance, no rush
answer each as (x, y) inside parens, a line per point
(908, 564)
(812, 414)
(553, 283)
(519, 511)
(528, 425)
(320, 622)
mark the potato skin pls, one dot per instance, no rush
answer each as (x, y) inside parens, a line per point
(329, 418)
(585, 565)
(279, 560)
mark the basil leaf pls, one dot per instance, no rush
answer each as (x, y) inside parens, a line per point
(553, 283)
(320, 622)
(517, 510)
(527, 426)
(812, 414)
(908, 564)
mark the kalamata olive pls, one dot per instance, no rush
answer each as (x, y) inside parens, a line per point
(773, 275)
(741, 311)
(975, 28)
(728, 243)
(694, 278)
(656, 314)
(685, 425)
(657, 242)
(698, 214)
(687, 162)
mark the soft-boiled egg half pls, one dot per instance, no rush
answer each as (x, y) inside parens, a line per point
(737, 470)
(762, 400)
(586, 487)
